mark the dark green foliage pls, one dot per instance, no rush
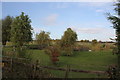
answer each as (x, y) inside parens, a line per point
(21, 34)
(115, 20)
(21, 30)
(6, 27)
(94, 41)
(115, 50)
(84, 41)
(34, 47)
(81, 40)
(22, 68)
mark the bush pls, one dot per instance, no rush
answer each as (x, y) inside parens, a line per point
(96, 47)
(53, 52)
(81, 48)
(114, 50)
(36, 47)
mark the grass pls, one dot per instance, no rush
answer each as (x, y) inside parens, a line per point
(41, 56)
(99, 60)
(61, 74)
(95, 60)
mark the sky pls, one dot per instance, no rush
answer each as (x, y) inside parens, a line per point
(87, 19)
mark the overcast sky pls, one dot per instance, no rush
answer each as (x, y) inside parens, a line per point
(88, 19)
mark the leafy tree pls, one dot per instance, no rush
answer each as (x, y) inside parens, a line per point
(68, 40)
(94, 41)
(86, 41)
(21, 33)
(21, 30)
(6, 28)
(43, 38)
(115, 20)
(81, 40)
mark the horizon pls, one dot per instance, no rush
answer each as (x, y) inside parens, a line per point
(56, 17)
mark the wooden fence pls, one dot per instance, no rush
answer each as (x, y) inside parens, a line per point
(67, 69)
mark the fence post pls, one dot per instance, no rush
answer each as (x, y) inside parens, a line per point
(67, 71)
(11, 63)
(35, 69)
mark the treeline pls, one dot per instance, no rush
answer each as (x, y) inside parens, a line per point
(16, 29)
(19, 29)
(58, 40)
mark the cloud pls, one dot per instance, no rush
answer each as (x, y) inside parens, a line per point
(100, 33)
(50, 20)
(97, 4)
(37, 30)
(88, 30)
(99, 10)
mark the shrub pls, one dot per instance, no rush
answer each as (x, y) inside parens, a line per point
(53, 52)
(36, 47)
(96, 47)
(114, 50)
(67, 51)
(81, 48)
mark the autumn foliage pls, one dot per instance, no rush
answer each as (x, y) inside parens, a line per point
(54, 53)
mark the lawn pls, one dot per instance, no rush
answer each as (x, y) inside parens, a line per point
(98, 60)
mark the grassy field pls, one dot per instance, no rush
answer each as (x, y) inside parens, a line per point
(98, 60)
(82, 60)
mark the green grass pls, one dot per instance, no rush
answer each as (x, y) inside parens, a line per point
(80, 60)
(95, 60)
(61, 74)
(41, 56)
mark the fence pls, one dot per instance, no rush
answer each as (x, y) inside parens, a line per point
(35, 69)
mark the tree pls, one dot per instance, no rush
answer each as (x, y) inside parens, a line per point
(115, 20)
(68, 40)
(81, 40)
(86, 40)
(21, 30)
(6, 28)
(43, 39)
(21, 33)
(94, 41)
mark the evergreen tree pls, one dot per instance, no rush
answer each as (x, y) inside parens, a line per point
(115, 20)
(21, 30)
